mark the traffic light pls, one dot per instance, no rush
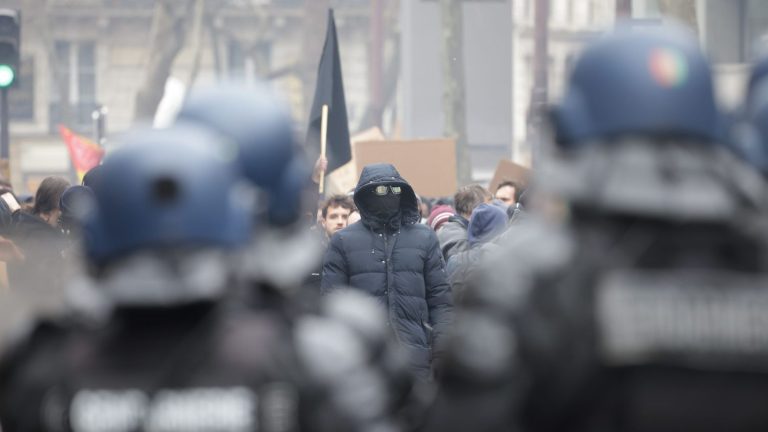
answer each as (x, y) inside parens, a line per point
(10, 23)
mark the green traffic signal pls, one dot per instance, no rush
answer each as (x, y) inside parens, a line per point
(7, 75)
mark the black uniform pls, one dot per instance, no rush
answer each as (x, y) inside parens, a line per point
(636, 315)
(203, 366)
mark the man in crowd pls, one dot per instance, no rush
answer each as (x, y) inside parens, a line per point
(506, 192)
(335, 214)
(453, 234)
(392, 257)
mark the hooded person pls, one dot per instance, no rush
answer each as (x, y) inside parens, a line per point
(392, 257)
(486, 223)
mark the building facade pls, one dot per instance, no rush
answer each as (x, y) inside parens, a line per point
(95, 52)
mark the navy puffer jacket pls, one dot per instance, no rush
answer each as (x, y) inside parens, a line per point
(399, 263)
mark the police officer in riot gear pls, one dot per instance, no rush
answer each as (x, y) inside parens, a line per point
(257, 121)
(640, 305)
(274, 266)
(155, 243)
(164, 348)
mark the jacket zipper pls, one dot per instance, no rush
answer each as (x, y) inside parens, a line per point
(387, 286)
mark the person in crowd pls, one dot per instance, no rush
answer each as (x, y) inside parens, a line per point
(507, 192)
(622, 313)
(335, 214)
(487, 222)
(439, 216)
(453, 235)
(41, 241)
(392, 257)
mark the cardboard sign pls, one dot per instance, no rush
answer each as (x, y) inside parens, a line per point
(429, 165)
(507, 170)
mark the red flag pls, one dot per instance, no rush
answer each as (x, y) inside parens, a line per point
(85, 154)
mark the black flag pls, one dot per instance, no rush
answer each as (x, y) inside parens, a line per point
(329, 91)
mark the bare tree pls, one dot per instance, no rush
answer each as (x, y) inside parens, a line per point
(169, 29)
(454, 107)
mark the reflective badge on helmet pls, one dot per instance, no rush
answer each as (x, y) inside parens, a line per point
(708, 320)
(669, 68)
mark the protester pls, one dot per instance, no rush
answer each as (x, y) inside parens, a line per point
(453, 235)
(439, 216)
(487, 222)
(392, 257)
(335, 214)
(507, 192)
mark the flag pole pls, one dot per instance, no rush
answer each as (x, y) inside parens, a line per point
(323, 140)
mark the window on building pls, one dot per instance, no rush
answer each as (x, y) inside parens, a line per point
(74, 80)
(21, 99)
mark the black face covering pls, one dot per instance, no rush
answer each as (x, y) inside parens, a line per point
(384, 208)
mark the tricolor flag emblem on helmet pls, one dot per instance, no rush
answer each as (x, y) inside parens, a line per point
(669, 68)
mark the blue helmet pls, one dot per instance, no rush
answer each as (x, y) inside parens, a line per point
(638, 82)
(172, 188)
(260, 124)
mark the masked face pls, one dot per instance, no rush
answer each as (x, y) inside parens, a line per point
(382, 203)
(388, 205)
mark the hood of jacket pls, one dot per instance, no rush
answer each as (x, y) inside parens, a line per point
(385, 174)
(487, 221)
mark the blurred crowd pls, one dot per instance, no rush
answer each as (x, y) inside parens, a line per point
(195, 282)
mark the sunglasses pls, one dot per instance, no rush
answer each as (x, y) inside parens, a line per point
(381, 190)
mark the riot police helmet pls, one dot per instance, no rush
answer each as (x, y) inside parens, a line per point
(166, 189)
(639, 82)
(259, 122)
